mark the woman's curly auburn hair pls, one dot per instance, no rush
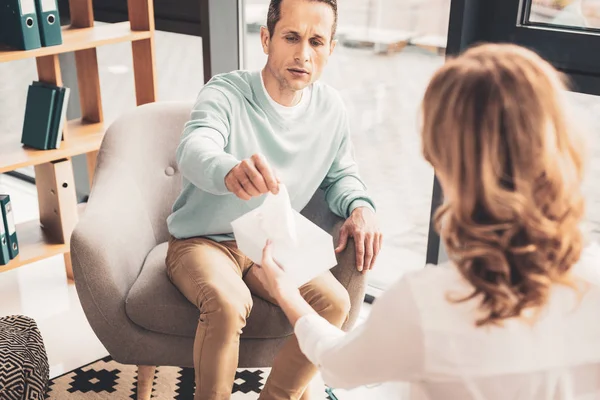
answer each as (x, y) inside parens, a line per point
(495, 131)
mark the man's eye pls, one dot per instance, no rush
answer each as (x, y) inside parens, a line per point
(291, 38)
(316, 43)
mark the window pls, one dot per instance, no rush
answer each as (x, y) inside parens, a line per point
(587, 109)
(580, 14)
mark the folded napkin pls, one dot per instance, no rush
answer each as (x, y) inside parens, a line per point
(302, 248)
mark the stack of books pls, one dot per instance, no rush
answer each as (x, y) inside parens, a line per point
(45, 115)
(9, 245)
(29, 24)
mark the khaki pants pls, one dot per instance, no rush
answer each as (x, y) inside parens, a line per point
(219, 280)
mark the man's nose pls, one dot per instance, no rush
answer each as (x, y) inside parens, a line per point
(303, 54)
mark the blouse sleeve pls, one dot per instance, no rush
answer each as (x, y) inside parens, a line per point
(387, 347)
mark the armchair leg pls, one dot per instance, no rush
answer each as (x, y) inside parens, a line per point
(144, 383)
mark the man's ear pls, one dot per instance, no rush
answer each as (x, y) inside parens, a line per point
(333, 44)
(265, 38)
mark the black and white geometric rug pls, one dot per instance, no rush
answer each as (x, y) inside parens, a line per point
(107, 379)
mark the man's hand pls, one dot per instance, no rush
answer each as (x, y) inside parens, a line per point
(252, 177)
(363, 228)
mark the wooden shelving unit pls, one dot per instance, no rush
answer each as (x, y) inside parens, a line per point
(59, 211)
(80, 39)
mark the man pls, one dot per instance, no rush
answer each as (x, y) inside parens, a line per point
(249, 132)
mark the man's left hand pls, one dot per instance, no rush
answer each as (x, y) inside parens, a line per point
(362, 226)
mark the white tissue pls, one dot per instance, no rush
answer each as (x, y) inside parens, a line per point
(276, 217)
(302, 248)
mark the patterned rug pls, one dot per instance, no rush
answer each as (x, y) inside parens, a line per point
(107, 379)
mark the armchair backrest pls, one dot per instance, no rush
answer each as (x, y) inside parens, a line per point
(142, 144)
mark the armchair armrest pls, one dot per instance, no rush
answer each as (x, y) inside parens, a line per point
(345, 271)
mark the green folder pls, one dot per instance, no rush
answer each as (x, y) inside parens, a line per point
(4, 255)
(9, 225)
(19, 24)
(48, 22)
(58, 119)
(59, 114)
(38, 116)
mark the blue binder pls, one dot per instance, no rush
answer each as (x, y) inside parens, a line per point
(49, 22)
(39, 111)
(4, 256)
(19, 24)
(9, 225)
(59, 113)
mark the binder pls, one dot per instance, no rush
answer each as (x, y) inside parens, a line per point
(54, 121)
(38, 116)
(59, 118)
(48, 22)
(19, 24)
(9, 226)
(59, 114)
(4, 256)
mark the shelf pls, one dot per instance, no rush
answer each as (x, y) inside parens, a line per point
(82, 138)
(35, 245)
(79, 39)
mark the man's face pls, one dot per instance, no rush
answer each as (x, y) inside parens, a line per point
(301, 43)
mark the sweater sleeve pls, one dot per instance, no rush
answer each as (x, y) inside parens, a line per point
(201, 154)
(344, 189)
(388, 346)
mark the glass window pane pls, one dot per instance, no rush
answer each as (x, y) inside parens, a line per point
(587, 108)
(387, 52)
(580, 14)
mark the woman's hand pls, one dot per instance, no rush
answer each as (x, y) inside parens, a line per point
(274, 279)
(272, 276)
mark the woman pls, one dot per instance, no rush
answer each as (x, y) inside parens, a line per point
(516, 313)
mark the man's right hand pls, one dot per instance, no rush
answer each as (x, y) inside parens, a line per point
(252, 177)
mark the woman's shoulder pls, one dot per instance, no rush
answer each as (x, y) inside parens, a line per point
(430, 289)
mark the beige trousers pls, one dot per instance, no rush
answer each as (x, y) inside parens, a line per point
(219, 280)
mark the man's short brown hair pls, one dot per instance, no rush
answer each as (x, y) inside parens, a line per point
(274, 14)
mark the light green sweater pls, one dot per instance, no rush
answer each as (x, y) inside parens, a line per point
(233, 119)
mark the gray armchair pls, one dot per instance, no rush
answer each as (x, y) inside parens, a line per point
(119, 246)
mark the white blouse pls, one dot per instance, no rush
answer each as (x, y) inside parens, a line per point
(415, 335)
